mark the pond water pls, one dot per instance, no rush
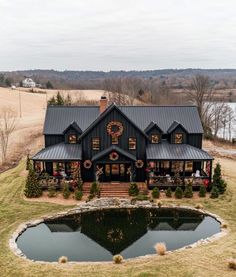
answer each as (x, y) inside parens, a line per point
(98, 235)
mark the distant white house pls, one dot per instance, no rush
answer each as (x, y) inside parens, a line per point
(28, 83)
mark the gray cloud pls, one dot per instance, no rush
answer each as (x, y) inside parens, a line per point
(110, 34)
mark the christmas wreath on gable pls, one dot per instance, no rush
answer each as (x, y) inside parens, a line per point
(139, 163)
(87, 164)
(113, 156)
(115, 128)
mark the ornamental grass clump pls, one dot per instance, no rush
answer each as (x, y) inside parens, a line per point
(202, 191)
(232, 263)
(118, 259)
(199, 206)
(155, 193)
(63, 260)
(160, 248)
(169, 193)
(179, 193)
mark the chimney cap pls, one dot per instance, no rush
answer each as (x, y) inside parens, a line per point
(103, 97)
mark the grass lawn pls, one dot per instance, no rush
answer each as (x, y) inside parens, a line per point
(206, 260)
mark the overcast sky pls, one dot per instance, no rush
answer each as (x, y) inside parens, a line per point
(117, 34)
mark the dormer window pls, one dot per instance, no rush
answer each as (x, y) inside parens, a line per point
(72, 139)
(96, 143)
(178, 138)
(155, 138)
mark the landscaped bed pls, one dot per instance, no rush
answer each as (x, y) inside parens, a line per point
(206, 260)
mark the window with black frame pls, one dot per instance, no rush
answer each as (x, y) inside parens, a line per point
(72, 139)
(96, 143)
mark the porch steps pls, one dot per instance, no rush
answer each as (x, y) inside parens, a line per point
(114, 189)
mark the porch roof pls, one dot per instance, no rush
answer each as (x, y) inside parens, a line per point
(168, 151)
(59, 152)
(116, 149)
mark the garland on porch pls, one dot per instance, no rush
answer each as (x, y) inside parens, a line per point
(139, 163)
(114, 156)
(110, 128)
(87, 164)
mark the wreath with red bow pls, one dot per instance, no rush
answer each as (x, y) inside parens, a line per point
(114, 156)
(115, 128)
(139, 163)
(87, 164)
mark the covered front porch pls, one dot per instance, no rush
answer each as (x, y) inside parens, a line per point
(165, 174)
(177, 164)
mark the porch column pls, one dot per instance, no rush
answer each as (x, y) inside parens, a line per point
(183, 172)
(210, 175)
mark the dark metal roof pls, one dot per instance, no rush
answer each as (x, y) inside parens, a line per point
(73, 125)
(174, 125)
(58, 118)
(108, 110)
(60, 151)
(164, 116)
(167, 151)
(113, 148)
(151, 126)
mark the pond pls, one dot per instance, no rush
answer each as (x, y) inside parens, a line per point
(98, 235)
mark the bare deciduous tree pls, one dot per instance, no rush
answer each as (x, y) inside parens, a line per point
(201, 95)
(7, 126)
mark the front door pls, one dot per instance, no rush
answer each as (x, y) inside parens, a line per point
(115, 172)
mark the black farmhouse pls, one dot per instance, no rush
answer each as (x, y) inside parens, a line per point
(110, 143)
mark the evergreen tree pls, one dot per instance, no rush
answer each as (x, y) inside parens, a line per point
(217, 179)
(59, 99)
(202, 191)
(188, 192)
(51, 190)
(32, 186)
(66, 191)
(8, 82)
(133, 189)
(28, 162)
(52, 101)
(214, 192)
(179, 193)
(49, 85)
(169, 192)
(68, 100)
(156, 193)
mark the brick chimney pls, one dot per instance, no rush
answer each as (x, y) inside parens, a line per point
(103, 104)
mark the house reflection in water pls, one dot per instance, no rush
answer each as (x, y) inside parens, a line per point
(117, 229)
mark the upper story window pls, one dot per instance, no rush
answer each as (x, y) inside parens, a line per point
(178, 138)
(96, 143)
(114, 140)
(155, 138)
(72, 139)
(132, 143)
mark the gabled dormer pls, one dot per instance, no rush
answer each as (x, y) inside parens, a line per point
(178, 134)
(72, 133)
(154, 132)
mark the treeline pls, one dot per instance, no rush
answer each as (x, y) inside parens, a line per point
(175, 78)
